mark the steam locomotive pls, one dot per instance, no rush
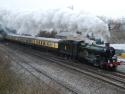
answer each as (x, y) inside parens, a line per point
(101, 56)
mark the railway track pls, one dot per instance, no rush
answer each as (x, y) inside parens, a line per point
(109, 77)
(119, 74)
(26, 65)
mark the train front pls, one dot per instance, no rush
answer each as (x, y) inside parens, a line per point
(101, 56)
(110, 61)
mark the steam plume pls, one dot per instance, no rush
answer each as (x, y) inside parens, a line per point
(54, 20)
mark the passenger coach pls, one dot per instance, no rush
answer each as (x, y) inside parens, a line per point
(49, 43)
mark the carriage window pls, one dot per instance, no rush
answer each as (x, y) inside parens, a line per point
(49, 44)
(39, 42)
(56, 45)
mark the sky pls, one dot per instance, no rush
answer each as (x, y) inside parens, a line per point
(113, 8)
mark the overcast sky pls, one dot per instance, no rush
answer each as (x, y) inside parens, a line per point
(100, 7)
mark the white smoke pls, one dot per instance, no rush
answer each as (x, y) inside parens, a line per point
(54, 20)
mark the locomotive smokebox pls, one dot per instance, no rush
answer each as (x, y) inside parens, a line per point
(107, 45)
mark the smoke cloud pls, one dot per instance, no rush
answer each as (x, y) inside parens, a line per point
(58, 20)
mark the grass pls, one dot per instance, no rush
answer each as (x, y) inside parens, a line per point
(11, 83)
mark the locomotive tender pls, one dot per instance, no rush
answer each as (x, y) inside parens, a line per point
(101, 56)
